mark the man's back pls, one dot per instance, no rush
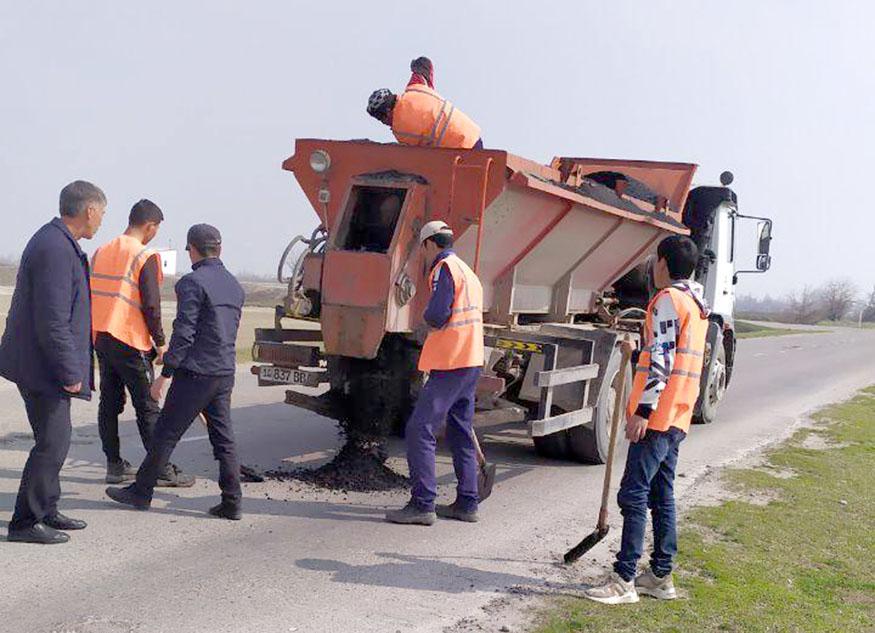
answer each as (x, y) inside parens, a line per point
(210, 304)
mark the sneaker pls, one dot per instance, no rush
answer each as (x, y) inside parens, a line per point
(226, 510)
(455, 511)
(120, 472)
(411, 515)
(614, 591)
(173, 477)
(650, 584)
(128, 497)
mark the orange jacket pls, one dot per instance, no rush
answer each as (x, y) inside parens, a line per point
(678, 399)
(459, 344)
(422, 117)
(115, 291)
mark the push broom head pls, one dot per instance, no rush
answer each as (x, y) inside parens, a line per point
(586, 544)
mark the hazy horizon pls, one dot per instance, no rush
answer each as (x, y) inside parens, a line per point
(196, 105)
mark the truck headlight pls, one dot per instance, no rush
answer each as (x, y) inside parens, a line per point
(320, 161)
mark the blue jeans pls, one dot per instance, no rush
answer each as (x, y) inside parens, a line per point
(649, 482)
(447, 398)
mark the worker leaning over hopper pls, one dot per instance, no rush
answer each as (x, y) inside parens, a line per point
(422, 117)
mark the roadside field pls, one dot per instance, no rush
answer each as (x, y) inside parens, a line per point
(792, 550)
(745, 329)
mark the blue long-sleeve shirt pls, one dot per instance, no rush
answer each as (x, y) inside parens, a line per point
(209, 306)
(443, 292)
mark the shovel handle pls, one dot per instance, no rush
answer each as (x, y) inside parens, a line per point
(619, 399)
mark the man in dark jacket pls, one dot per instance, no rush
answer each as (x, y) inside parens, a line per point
(46, 350)
(202, 361)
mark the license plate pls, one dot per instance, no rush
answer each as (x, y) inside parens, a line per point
(286, 376)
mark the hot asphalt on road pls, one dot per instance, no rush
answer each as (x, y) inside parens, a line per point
(311, 561)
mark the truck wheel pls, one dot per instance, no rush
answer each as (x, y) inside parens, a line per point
(588, 444)
(714, 389)
(553, 446)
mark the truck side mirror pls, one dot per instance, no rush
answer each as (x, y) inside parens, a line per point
(764, 260)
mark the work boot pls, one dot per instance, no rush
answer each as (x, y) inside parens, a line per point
(457, 512)
(173, 477)
(650, 584)
(614, 591)
(37, 533)
(227, 510)
(411, 515)
(128, 497)
(60, 522)
(120, 472)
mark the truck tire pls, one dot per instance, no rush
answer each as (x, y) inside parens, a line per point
(588, 444)
(553, 446)
(715, 388)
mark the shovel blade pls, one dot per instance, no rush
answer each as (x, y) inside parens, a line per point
(485, 480)
(585, 545)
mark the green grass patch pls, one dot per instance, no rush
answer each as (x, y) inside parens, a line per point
(745, 329)
(802, 562)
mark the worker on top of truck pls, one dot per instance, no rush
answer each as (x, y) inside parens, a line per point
(453, 357)
(664, 394)
(422, 117)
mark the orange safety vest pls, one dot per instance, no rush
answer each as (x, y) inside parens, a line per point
(422, 117)
(678, 399)
(459, 343)
(115, 291)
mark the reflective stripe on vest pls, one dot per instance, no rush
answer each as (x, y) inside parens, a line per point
(115, 291)
(422, 117)
(459, 344)
(678, 399)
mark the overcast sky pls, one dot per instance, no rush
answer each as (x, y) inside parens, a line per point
(195, 105)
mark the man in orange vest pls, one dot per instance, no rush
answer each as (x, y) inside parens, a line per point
(453, 357)
(126, 279)
(422, 117)
(664, 394)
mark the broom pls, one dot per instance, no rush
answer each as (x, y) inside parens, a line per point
(602, 527)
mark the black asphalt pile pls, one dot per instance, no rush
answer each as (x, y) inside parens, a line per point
(349, 471)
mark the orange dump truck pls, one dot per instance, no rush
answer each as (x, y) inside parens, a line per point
(562, 251)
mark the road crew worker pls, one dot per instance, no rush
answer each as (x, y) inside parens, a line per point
(453, 357)
(202, 361)
(46, 351)
(126, 281)
(422, 117)
(664, 394)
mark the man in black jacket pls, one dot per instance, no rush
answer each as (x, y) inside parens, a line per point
(202, 361)
(46, 350)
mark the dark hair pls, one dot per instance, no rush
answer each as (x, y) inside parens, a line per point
(210, 250)
(443, 240)
(681, 255)
(143, 212)
(77, 196)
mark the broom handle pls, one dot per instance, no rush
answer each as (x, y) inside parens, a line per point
(619, 398)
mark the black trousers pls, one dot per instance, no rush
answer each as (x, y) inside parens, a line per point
(123, 367)
(40, 489)
(189, 394)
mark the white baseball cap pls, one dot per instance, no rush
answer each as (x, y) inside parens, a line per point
(433, 228)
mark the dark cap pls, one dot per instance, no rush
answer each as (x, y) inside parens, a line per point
(204, 237)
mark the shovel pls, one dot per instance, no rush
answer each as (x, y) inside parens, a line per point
(485, 471)
(602, 527)
(247, 473)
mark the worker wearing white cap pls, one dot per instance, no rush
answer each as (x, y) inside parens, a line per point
(453, 357)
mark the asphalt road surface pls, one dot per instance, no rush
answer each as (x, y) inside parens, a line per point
(311, 561)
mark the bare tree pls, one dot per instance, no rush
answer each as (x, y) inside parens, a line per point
(802, 306)
(838, 296)
(869, 310)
